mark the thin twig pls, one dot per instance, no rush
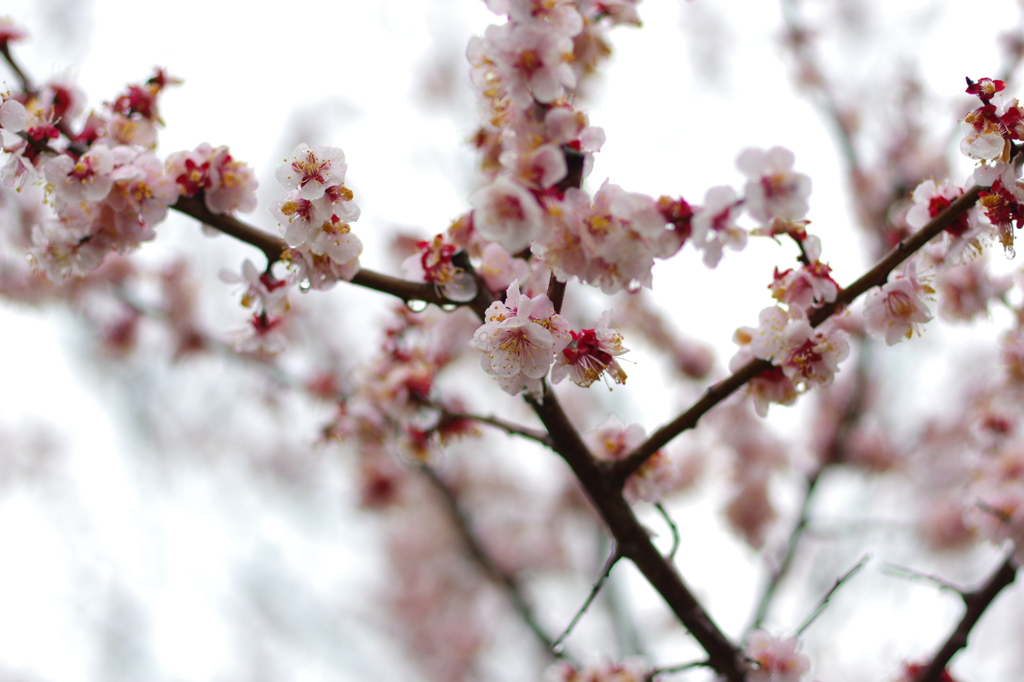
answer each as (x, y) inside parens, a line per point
(498, 423)
(609, 564)
(876, 276)
(675, 669)
(904, 572)
(672, 528)
(834, 454)
(828, 595)
(23, 79)
(476, 550)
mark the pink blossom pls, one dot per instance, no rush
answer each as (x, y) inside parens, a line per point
(507, 213)
(434, 264)
(320, 271)
(499, 268)
(84, 179)
(777, 659)
(896, 310)
(658, 476)
(262, 335)
(232, 184)
(806, 355)
(311, 170)
(714, 224)
(520, 337)
(590, 354)
(262, 291)
(773, 190)
(534, 58)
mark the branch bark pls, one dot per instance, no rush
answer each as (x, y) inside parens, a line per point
(977, 602)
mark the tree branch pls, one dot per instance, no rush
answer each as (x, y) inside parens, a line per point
(876, 276)
(976, 602)
(632, 540)
(498, 423)
(273, 247)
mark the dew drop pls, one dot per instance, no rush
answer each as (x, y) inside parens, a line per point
(305, 285)
(557, 649)
(416, 305)
(461, 288)
(1009, 252)
(449, 307)
(633, 287)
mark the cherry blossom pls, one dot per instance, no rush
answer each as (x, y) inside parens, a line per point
(896, 310)
(777, 659)
(84, 179)
(806, 355)
(773, 190)
(519, 339)
(507, 213)
(262, 291)
(715, 226)
(434, 264)
(590, 354)
(311, 170)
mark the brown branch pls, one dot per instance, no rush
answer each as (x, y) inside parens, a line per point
(876, 276)
(556, 292)
(633, 541)
(483, 559)
(976, 602)
(273, 247)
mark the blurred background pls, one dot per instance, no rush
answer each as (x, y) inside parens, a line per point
(182, 518)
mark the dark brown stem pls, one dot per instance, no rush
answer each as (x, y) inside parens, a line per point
(976, 602)
(876, 276)
(273, 246)
(556, 292)
(633, 542)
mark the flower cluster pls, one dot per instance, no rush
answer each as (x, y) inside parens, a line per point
(315, 216)
(434, 264)
(267, 296)
(106, 186)
(803, 356)
(659, 475)
(519, 339)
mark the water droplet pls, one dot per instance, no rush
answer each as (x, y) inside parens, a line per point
(416, 305)
(449, 307)
(558, 648)
(1009, 252)
(305, 285)
(633, 287)
(461, 288)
